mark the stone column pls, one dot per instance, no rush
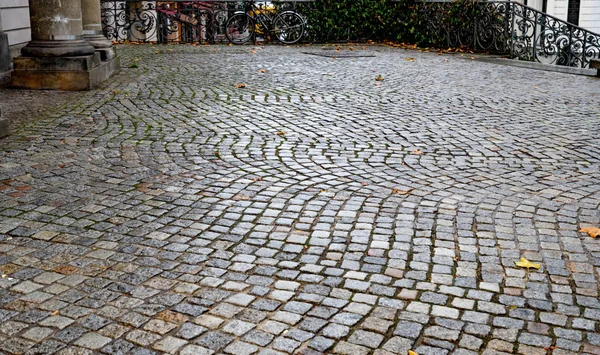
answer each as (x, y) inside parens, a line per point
(56, 29)
(92, 28)
(58, 57)
(4, 50)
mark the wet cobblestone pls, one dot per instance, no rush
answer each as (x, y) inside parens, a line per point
(314, 211)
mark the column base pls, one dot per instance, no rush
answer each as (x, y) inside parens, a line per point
(62, 73)
(4, 127)
(4, 53)
(58, 48)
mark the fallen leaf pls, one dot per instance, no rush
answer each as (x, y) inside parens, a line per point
(417, 152)
(281, 133)
(350, 48)
(172, 317)
(55, 313)
(593, 232)
(66, 269)
(527, 264)
(324, 190)
(257, 179)
(410, 352)
(252, 52)
(240, 86)
(262, 70)
(401, 192)
(409, 59)
(364, 183)
(379, 78)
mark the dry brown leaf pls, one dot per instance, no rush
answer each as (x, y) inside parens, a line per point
(262, 70)
(417, 152)
(527, 264)
(401, 192)
(593, 232)
(55, 312)
(350, 48)
(324, 190)
(172, 317)
(281, 133)
(253, 52)
(66, 269)
(409, 59)
(379, 78)
(257, 179)
(364, 183)
(240, 197)
(240, 86)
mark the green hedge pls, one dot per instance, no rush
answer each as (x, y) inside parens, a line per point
(361, 20)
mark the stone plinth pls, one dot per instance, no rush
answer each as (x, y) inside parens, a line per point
(62, 73)
(4, 53)
(595, 64)
(4, 127)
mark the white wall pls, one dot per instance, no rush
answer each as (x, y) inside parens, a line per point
(589, 15)
(15, 21)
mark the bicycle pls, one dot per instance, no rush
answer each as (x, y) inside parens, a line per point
(288, 26)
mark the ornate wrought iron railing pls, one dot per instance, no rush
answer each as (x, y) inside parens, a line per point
(182, 21)
(514, 29)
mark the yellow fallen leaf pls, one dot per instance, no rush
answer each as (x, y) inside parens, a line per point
(240, 86)
(281, 133)
(417, 152)
(55, 313)
(410, 352)
(324, 190)
(401, 192)
(379, 78)
(409, 59)
(527, 264)
(593, 232)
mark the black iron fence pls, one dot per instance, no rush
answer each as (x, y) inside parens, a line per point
(514, 29)
(181, 21)
(505, 27)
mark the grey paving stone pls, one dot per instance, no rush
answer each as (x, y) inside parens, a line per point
(163, 212)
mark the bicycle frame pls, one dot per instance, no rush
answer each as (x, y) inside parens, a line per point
(258, 14)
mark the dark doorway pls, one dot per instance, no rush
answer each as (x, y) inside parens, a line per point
(573, 12)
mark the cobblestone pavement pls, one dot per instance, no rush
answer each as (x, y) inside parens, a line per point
(316, 210)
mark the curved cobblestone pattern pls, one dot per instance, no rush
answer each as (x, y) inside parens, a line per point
(314, 211)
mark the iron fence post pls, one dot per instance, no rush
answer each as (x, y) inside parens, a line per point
(535, 24)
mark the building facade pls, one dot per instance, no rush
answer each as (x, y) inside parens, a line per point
(583, 13)
(14, 22)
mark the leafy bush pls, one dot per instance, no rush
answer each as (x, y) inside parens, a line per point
(403, 20)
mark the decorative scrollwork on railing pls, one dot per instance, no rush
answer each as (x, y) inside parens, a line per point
(511, 28)
(183, 21)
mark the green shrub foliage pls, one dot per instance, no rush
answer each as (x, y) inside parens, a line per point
(404, 20)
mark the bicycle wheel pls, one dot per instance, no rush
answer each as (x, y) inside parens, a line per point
(239, 29)
(289, 27)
